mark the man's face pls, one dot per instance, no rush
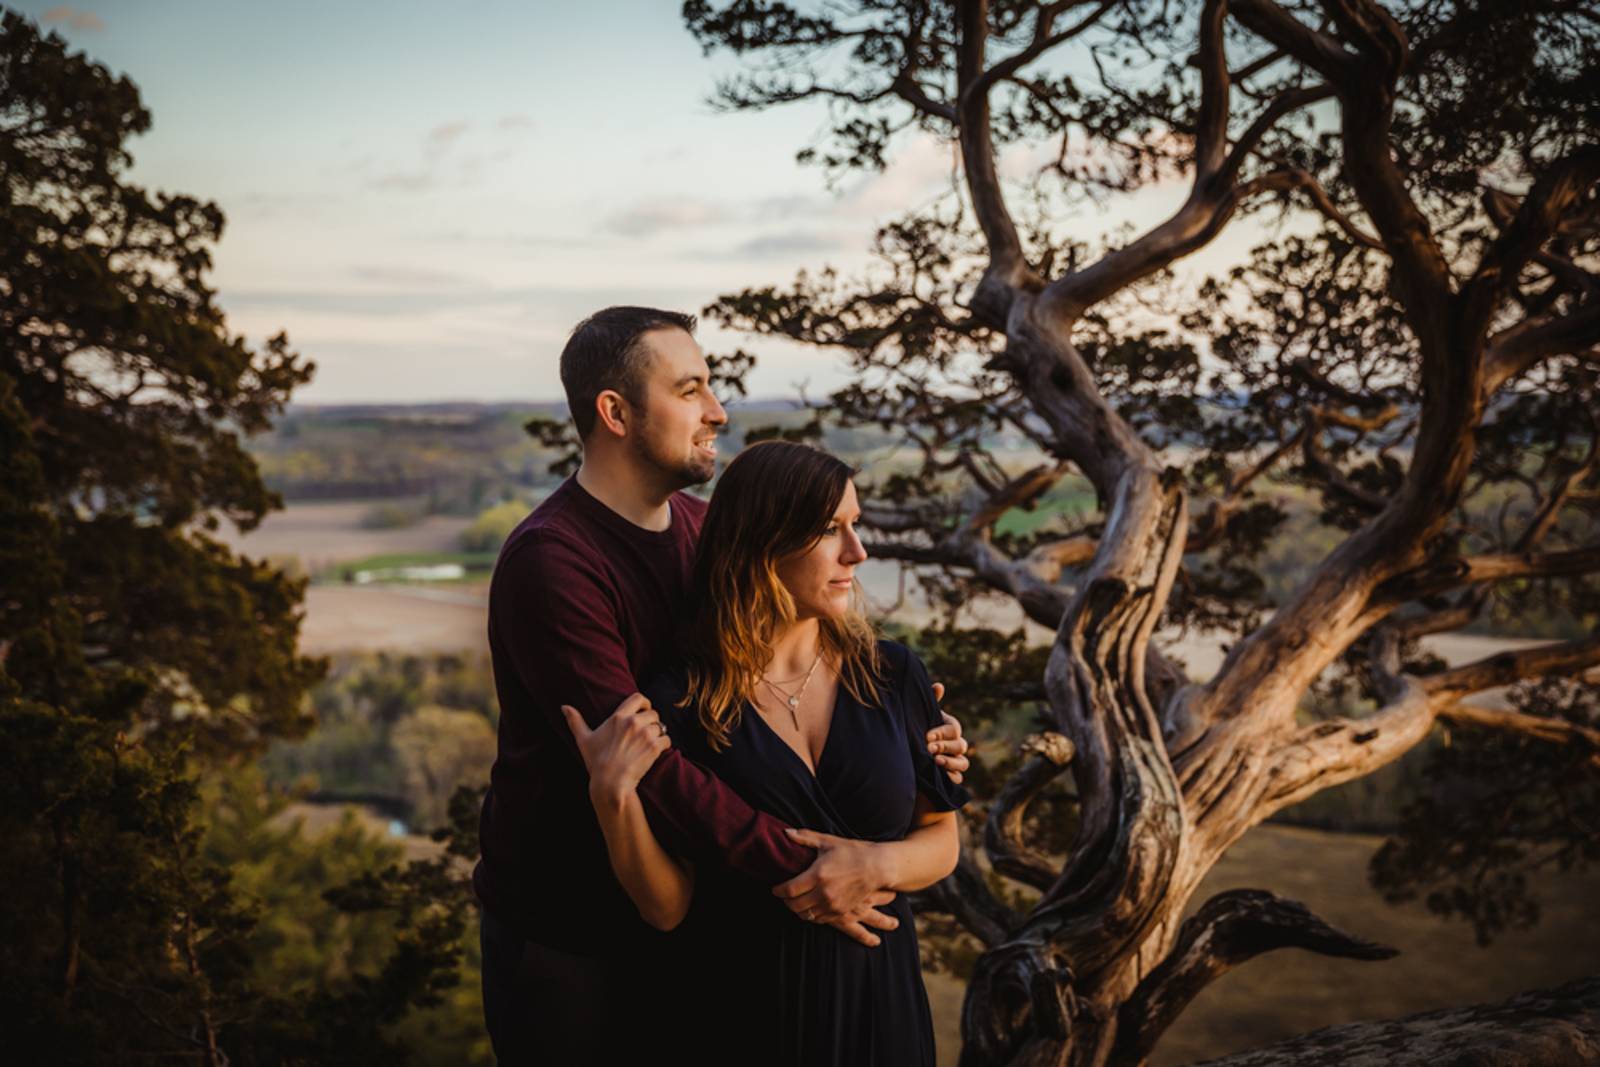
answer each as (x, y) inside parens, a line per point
(675, 432)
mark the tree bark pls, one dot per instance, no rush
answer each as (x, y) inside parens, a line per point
(1556, 1027)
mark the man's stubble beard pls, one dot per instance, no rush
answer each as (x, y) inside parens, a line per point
(678, 474)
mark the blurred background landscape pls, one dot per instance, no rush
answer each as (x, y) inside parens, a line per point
(395, 513)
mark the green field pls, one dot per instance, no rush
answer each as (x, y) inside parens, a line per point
(476, 564)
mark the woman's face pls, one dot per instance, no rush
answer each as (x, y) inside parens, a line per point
(819, 579)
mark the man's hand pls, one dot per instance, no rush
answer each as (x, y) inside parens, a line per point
(621, 750)
(945, 743)
(841, 888)
(854, 925)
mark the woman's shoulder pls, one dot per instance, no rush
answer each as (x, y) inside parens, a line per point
(668, 693)
(892, 651)
(666, 689)
(896, 658)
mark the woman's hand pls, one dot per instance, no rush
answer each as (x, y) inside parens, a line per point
(621, 750)
(617, 754)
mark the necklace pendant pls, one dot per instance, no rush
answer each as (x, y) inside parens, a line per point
(794, 702)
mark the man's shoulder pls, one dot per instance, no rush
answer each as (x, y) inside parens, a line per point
(557, 523)
(552, 542)
(559, 511)
(691, 507)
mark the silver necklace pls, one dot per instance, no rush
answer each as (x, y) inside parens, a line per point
(793, 699)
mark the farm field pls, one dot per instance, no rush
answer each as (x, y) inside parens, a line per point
(320, 534)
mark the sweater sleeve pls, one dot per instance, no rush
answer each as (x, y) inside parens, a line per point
(557, 602)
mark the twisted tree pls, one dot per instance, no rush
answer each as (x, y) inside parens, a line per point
(1416, 344)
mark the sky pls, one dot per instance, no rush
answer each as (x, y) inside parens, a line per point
(428, 197)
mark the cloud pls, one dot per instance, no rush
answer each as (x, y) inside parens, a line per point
(87, 21)
(790, 243)
(787, 207)
(444, 135)
(400, 275)
(410, 181)
(650, 217)
(919, 172)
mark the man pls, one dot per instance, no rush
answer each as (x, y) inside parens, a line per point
(583, 605)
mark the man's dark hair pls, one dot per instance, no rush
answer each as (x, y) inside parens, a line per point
(607, 351)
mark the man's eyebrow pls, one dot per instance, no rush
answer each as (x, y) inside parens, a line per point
(687, 378)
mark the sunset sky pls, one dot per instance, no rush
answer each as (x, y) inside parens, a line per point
(427, 197)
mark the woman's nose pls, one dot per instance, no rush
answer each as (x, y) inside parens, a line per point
(855, 551)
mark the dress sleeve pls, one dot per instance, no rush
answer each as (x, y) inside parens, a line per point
(922, 714)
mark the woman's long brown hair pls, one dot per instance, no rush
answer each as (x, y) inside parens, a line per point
(774, 501)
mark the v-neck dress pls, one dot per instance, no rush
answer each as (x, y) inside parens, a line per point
(759, 984)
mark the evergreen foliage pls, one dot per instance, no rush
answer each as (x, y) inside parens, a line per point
(139, 656)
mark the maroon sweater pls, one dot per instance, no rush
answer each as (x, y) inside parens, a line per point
(583, 607)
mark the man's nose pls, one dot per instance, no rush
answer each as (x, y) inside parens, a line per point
(714, 413)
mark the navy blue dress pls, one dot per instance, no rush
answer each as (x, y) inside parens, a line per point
(760, 985)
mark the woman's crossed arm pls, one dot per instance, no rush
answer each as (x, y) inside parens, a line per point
(659, 885)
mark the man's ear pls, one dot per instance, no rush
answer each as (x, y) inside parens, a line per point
(611, 412)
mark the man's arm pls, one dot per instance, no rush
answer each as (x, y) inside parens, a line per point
(924, 856)
(559, 606)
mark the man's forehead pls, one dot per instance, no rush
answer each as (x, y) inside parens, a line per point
(674, 355)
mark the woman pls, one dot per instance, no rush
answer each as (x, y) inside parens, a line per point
(787, 696)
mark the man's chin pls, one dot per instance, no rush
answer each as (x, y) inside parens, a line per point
(700, 471)
(695, 472)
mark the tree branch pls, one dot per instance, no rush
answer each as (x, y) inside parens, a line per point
(1542, 727)
(1504, 668)
(1317, 50)
(1444, 575)
(1041, 600)
(1516, 348)
(1559, 186)
(1229, 929)
(1020, 492)
(1008, 853)
(1328, 753)
(1008, 271)
(1043, 41)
